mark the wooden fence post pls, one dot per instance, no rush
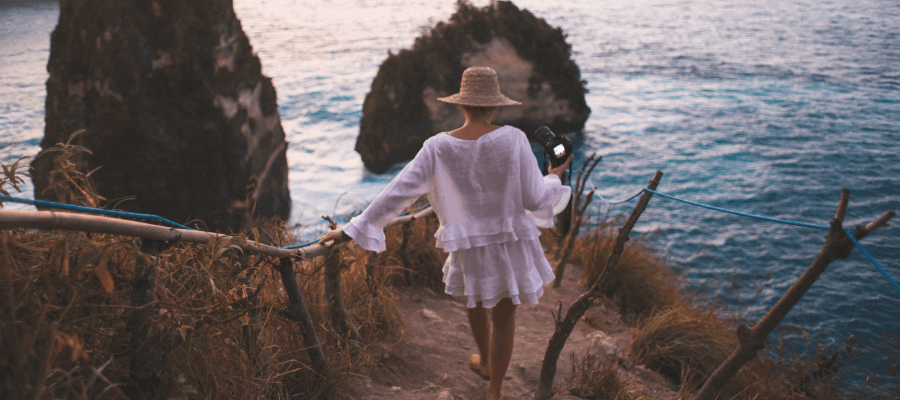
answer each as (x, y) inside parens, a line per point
(251, 327)
(150, 347)
(579, 205)
(371, 261)
(751, 340)
(406, 230)
(300, 314)
(334, 299)
(576, 311)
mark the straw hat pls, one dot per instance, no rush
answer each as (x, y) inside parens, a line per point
(480, 88)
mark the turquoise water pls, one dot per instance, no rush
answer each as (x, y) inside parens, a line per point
(766, 107)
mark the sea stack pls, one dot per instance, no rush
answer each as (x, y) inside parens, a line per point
(532, 60)
(179, 118)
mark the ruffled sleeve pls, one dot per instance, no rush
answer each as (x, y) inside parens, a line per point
(542, 196)
(367, 229)
(559, 199)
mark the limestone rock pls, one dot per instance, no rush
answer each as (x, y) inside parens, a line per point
(177, 112)
(532, 60)
(445, 395)
(607, 347)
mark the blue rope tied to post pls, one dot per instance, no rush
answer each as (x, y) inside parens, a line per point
(91, 210)
(872, 259)
(783, 221)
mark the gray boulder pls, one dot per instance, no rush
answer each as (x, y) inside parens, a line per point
(178, 115)
(532, 60)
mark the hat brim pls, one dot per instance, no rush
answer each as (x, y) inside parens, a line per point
(499, 101)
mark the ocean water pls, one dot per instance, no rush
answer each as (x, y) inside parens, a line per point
(766, 107)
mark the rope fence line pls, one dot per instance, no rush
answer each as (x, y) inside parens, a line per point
(106, 221)
(99, 211)
(872, 260)
(426, 209)
(781, 221)
(743, 214)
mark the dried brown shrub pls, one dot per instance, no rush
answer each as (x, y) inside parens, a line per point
(65, 309)
(683, 343)
(639, 283)
(422, 265)
(594, 378)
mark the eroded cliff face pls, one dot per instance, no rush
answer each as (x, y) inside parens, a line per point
(532, 60)
(178, 115)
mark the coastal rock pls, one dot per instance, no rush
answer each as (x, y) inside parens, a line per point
(532, 60)
(178, 115)
(609, 349)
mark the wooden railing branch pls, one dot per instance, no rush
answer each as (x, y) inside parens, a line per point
(580, 203)
(19, 219)
(298, 312)
(150, 347)
(750, 340)
(565, 326)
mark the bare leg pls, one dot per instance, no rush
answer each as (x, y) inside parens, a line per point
(503, 318)
(481, 331)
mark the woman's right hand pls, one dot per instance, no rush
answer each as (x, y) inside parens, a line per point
(561, 168)
(337, 236)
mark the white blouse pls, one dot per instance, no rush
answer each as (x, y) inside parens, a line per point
(484, 191)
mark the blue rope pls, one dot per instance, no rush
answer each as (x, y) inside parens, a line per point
(770, 219)
(784, 221)
(407, 212)
(872, 259)
(114, 213)
(299, 246)
(623, 201)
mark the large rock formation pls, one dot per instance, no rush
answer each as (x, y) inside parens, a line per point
(532, 60)
(178, 114)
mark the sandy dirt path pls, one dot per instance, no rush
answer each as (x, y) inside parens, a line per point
(429, 361)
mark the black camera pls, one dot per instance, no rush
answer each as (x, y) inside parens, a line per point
(557, 148)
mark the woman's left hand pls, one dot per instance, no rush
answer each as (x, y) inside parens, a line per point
(337, 236)
(560, 169)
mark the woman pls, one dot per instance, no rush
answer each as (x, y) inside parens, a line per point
(488, 193)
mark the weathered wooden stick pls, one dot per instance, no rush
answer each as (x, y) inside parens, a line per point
(751, 340)
(150, 347)
(334, 299)
(406, 233)
(370, 271)
(579, 205)
(250, 329)
(10, 219)
(576, 311)
(300, 314)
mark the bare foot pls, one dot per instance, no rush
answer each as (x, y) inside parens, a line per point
(501, 397)
(476, 365)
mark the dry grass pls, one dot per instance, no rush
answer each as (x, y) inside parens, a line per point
(682, 343)
(422, 264)
(596, 379)
(639, 283)
(66, 308)
(686, 338)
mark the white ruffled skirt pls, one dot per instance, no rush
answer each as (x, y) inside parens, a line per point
(516, 269)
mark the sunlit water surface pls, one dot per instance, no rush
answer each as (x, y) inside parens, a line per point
(767, 107)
